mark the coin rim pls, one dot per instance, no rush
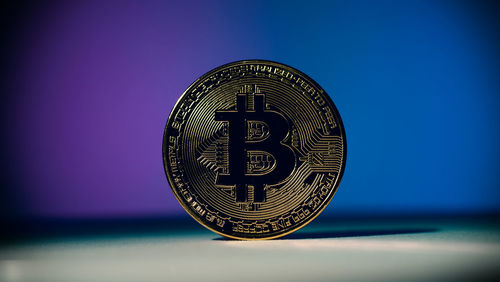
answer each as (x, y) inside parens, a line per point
(166, 163)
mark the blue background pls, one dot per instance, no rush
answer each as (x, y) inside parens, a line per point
(88, 86)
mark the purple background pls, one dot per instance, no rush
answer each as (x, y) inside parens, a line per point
(89, 86)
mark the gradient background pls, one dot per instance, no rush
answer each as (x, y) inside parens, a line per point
(87, 86)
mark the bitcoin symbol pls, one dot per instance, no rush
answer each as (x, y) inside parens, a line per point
(274, 160)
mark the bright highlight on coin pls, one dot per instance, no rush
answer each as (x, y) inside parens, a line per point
(254, 150)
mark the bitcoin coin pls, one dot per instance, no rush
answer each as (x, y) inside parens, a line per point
(254, 150)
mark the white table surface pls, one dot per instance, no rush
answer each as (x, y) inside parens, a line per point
(325, 250)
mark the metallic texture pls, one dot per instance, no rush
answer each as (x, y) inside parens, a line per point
(254, 150)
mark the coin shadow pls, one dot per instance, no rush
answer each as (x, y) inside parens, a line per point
(348, 233)
(356, 233)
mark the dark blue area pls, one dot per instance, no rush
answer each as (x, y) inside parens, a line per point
(88, 86)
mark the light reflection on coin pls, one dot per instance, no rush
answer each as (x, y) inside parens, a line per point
(254, 150)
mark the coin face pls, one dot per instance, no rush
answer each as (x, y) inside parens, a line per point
(254, 150)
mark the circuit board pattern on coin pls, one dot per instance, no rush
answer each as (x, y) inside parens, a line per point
(254, 150)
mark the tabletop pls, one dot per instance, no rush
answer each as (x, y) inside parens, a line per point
(328, 249)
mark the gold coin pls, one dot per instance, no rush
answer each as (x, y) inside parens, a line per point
(254, 150)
